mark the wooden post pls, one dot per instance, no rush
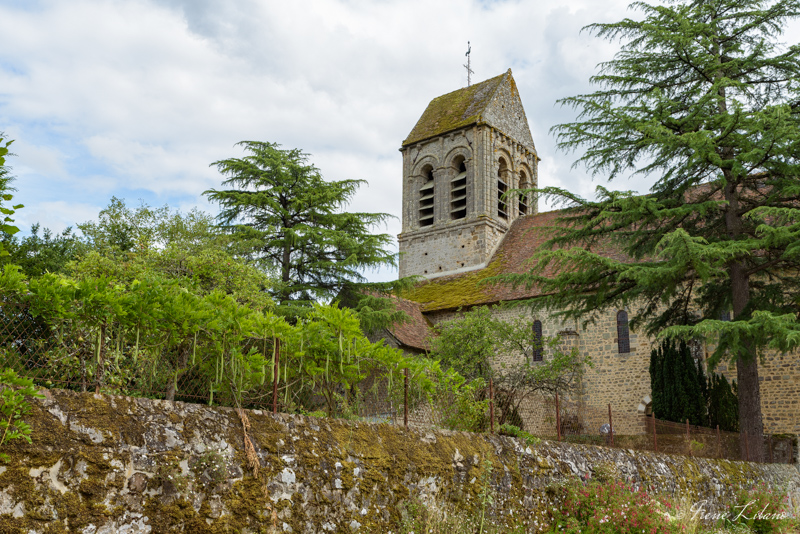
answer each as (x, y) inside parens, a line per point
(558, 418)
(405, 400)
(746, 448)
(655, 439)
(276, 374)
(719, 444)
(610, 424)
(688, 438)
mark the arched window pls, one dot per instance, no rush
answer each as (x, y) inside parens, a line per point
(623, 335)
(523, 197)
(538, 351)
(502, 187)
(426, 197)
(458, 190)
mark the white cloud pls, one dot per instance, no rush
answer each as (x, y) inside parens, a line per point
(136, 98)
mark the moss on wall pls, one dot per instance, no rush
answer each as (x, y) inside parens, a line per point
(103, 464)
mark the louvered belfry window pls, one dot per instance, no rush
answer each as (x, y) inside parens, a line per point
(502, 187)
(623, 335)
(538, 351)
(523, 197)
(458, 192)
(426, 198)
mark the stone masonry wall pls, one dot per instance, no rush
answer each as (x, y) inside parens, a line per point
(105, 464)
(623, 380)
(779, 379)
(450, 245)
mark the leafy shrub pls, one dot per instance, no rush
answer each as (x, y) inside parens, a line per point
(763, 511)
(507, 429)
(610, 508)
(13, 406)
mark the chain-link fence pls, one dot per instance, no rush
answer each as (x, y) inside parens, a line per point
(104, 358)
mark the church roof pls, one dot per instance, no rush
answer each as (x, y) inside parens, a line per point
(415, 332)
(455, 110)
(525, 237)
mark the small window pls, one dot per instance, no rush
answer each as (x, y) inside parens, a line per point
(502, 187)
(523, 197)
(426, 197)
(623, 335)
(537, 341)
(458, 190)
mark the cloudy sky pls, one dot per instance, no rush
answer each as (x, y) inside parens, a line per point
(135, 98)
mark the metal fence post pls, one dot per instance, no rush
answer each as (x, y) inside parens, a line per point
(610, 424)
(276, 374)
(491, 406)
(405, 400)
(558, 418)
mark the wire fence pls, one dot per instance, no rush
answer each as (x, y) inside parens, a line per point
(101, 360)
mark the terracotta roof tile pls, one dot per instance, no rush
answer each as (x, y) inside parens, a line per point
(415, 332)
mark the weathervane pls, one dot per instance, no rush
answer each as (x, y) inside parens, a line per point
(469, 70)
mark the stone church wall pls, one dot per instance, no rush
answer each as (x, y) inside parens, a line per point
(106, 464)
(623, 380)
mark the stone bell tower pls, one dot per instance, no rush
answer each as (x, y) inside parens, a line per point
(468, 148)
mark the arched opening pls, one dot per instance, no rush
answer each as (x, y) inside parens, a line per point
(458, 190)
(502, 187)
(623, 334)
(523, 197)
(426, 197)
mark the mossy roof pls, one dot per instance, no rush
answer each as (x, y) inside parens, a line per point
(525, 237)
(455, 110)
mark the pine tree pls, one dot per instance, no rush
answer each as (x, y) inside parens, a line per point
(677, 384)
(704, 98)
(289, 220)
(723, 406)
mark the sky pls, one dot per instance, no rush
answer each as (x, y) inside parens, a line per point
(136, 98)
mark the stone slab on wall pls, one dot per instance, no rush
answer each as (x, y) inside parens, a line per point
(105, 464)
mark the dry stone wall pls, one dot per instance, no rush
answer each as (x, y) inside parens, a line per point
(107, 464)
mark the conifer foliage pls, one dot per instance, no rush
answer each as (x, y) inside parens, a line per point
(681, 391)
(704, 98)
(289, 219)
(678, 384)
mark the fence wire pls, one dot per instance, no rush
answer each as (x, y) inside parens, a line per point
(71, 358)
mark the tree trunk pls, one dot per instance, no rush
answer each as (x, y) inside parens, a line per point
(750, 421)
(183, 359)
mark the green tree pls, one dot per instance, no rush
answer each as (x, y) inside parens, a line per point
(704, 98)
(44, 252)
(6, 228)
(289, 220)
(678, 384)
(120, 228)
(723, 405)
(481, 347)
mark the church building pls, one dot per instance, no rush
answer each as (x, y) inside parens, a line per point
(465, 152)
